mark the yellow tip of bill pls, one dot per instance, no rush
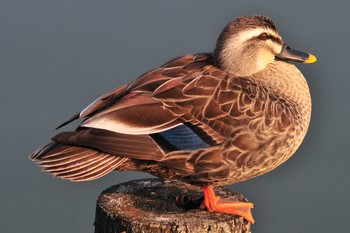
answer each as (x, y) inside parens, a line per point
(311, 59)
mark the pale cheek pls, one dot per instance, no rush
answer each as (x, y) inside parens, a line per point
(264, 58)
(277, 49)
(274, 48)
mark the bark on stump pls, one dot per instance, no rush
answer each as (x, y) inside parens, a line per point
(150, 205)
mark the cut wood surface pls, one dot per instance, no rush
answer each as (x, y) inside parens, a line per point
(159, 206)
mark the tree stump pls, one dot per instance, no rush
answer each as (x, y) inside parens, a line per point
(154, 205)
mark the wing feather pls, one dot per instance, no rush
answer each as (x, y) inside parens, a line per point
(132, 146)
(85, 169)
(76, 163)
(72, 164)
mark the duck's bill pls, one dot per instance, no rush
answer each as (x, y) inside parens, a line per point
(289, 54)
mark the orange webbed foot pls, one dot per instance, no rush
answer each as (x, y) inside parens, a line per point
(216, 204)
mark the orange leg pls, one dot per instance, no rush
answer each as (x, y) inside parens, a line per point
(216, 204)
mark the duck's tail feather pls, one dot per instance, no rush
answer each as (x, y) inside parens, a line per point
(75, 163)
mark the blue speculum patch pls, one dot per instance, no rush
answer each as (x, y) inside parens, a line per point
(183, 138)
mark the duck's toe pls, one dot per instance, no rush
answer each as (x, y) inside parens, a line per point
(216, 204)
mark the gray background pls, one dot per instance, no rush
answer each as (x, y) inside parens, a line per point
(58, 56)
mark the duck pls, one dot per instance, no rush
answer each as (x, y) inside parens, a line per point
(208, 119)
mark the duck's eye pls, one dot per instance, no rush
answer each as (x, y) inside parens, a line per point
(263, 36)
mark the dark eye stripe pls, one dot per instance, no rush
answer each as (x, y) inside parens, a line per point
(275, 39)
(271, 37)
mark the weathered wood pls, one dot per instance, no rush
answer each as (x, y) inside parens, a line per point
(150, 205)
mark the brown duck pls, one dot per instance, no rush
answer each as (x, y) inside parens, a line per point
(208, 119)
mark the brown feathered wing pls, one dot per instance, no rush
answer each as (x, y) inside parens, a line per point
(124, 125)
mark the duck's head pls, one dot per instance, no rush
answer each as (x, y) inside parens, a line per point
(248, 44)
